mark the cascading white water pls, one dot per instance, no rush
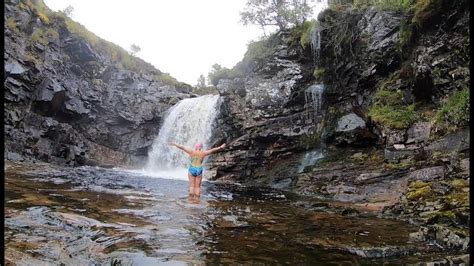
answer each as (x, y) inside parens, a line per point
(187, 123)
(313, 103)
(316, 43)
(313, 100)
(309, 158)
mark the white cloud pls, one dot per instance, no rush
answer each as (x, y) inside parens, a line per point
(181, 37)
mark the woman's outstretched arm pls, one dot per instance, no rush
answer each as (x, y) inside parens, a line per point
(215, 149)
(179, 146)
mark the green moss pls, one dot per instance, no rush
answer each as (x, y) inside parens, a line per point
(398, 117)
(442, 217)
(459, 183)
(419, 193)
(400, 166)
(389, 109)
(168, 80)
(11, 24)
(318, 74)
(418, 184)
(406, 43)
(22, 6)
(424, 10)
(360, 156)
(403, 5)
(52, 33)
(77, 29)
(39, 36)
(455, 112)
(304, 32)
(44, 18)
(458, 199)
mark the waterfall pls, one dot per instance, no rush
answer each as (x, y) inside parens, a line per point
(316, 43)
(313, 105)
(313, 100)
(309, 158)
(187, 123)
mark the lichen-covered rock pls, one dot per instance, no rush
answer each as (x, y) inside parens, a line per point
(428, 174)
(418, 132)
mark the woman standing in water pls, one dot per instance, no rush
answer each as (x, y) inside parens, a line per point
(195, 168)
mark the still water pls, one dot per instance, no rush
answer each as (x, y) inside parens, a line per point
(96, 216)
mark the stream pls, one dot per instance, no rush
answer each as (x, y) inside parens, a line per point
(98, 216)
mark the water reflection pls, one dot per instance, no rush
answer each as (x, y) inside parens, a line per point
(92, 215)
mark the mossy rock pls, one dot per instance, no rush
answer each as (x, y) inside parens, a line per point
(458, 199)
(419, 190)
(459, 183)
(418, 185)
(445, 217)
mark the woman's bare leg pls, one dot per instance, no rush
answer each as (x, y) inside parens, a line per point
(191, 184)
(197, 185)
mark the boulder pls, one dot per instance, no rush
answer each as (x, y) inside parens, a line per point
(14, 68)
(352, 130)
(394, 155)
(458, 141)
(228, 87)
(428, 174)
(418, 132)
(350, 122)
(394, 136)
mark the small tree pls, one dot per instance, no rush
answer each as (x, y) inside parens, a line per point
(217, 72)
(134, 49)
(280, 13)
(201, 82)
(68, 10)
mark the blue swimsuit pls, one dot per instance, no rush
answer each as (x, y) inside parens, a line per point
(195, 170)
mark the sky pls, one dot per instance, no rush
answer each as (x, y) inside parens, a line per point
(181, 37)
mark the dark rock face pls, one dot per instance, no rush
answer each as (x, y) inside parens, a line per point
(408, 172)
(259, 116)
(66, 100)
(267, 120)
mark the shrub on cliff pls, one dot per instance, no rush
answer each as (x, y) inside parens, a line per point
(403, 5)
(257, 50)
(302, 33)
(390, 109)
(53, 21)
(455, 111)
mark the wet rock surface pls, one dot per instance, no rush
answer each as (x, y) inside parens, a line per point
(89, 214)
(68, 98)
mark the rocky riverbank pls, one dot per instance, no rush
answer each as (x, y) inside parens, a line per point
(367, 107)
(390, 78)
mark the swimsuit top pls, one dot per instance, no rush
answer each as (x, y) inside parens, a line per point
(196, 161)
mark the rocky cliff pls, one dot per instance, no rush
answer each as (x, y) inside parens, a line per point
(73, 98)
(394, 120)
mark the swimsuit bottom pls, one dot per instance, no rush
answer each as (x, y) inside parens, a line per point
(195, 170)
